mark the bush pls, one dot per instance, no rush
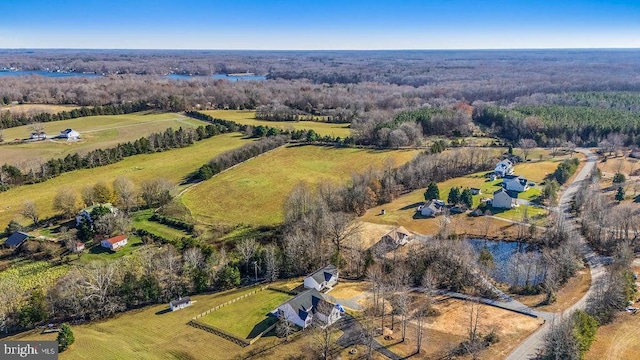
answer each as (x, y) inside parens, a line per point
(65, 337)
(585, 327)
(619, 178)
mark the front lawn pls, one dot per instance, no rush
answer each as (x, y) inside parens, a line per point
(248, 317)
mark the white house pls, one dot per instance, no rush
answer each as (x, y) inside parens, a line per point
(181, 303)
(504, 199)
(322, 278)
(515, 183)
(38, 135)
(69, 134)
(432, 208)
(114, 243)
(504, 168)
(310, 306)
(86, 212)
(398, 236)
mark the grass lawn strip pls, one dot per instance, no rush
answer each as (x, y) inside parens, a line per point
(247, 317)
(247, 117)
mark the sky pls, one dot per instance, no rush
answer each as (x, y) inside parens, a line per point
(319, 25)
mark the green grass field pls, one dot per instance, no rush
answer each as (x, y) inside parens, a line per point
(247, 117)
(141, 220)
(254, 191)
(248, 317)
(174, 165)
(153, 333)
(95, 131)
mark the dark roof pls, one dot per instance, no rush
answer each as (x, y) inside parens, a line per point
(184, 300)
(16, 239)
(306, 302)
(324, 274)
(513, 194)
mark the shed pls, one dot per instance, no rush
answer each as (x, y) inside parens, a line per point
(16, 239)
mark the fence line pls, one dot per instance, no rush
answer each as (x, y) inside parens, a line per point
(223, 334)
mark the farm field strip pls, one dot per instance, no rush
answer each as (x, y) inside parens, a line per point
(247, 117)
(37, 108)
(173, 165)
(254, 192)
(97, 132)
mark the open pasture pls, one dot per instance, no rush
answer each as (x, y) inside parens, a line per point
(97, 132)
(254, 192)
(154, 332)
(173, 165)
(247, 117)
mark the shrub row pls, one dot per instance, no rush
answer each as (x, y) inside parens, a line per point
(174, 223)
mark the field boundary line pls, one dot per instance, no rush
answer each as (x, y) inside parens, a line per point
(184, 191)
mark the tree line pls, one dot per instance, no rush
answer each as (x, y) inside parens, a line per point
(11, 176)
(8, 120)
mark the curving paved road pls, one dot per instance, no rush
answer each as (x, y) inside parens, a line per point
(529, 348)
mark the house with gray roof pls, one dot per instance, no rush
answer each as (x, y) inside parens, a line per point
(308, 307)
(515, 183)
(322, 278)
(504, 199)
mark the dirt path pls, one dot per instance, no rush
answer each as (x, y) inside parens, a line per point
(532, 345)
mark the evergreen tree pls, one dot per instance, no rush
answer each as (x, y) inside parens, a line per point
(466, 198)
(454, 196)
(432, 192)
(65, 337)
(620, 194)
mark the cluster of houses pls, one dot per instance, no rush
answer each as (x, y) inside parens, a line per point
(68, 134)
(507, 196)
(312, 306)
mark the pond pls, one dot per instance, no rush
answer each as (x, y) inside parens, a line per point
(514, 263)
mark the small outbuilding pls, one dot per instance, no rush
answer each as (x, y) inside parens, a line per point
(16, 239)
(181, 303)
(78, 247)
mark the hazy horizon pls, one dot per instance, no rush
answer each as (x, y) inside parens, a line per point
(330, 25)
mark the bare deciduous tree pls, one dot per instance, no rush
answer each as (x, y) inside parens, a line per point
(30, 211)
(65, 202)
(125, 192)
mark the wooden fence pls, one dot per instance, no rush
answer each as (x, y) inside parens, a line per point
(223, 334)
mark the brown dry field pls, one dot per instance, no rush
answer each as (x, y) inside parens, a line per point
(37, 108)
(568, 295)
(450, 328)
(619, 340)
(348, 289)
(630, 168)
